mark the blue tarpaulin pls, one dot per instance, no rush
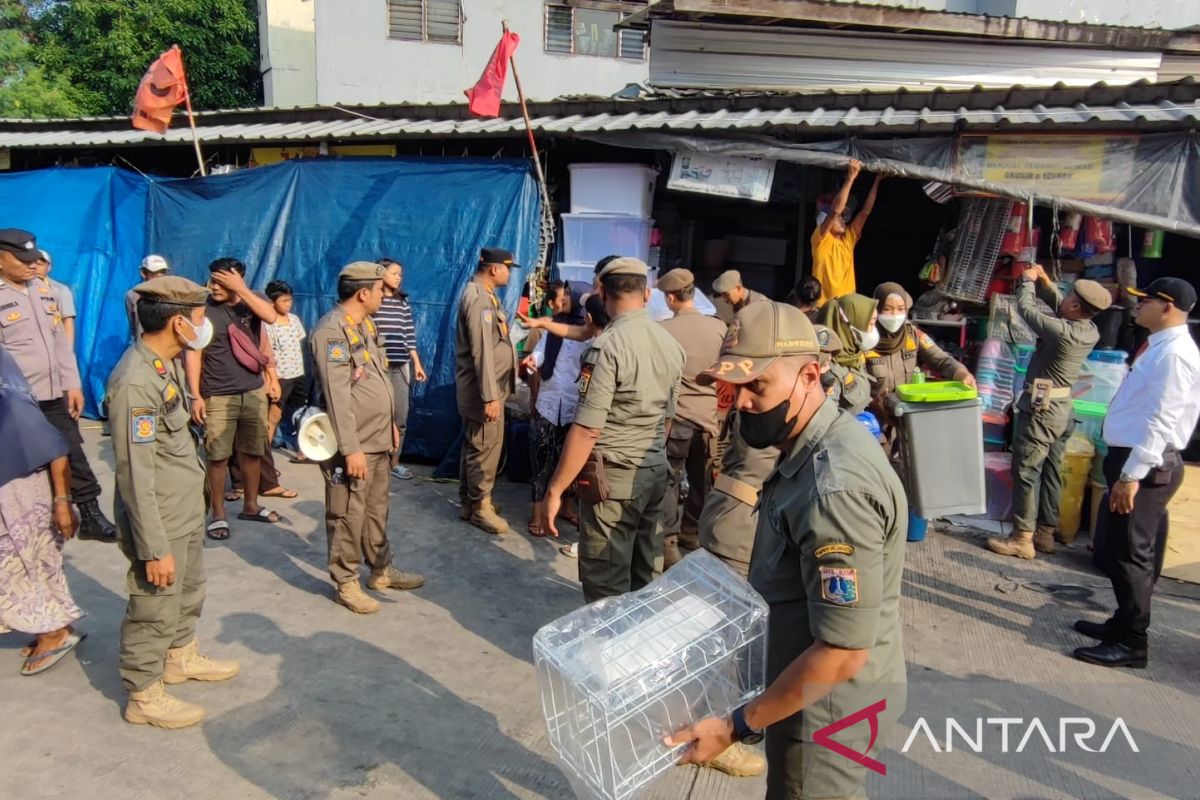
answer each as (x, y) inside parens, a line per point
(298, 221)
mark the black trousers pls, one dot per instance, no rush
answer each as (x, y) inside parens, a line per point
(84, 486)
(1130, 547)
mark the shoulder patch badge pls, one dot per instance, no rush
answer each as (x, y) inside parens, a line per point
(487, 316)
(839, 585)
(926, 342)
(336, 352)
(143, 425)
(834, 549)
(13, 316)
(158, 367)
(849, 378)
(585, 378)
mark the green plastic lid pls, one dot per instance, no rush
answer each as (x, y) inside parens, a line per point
(1086, 408)
(935, 392)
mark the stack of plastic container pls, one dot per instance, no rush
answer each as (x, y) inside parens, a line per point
(610, 215)
(1022, 354)
(994, 374)
(1100, 376)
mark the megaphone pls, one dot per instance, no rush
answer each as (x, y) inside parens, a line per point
(316, 436)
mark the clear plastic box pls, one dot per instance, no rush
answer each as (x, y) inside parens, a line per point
(619, 675)
(612, 189)
(591, 237)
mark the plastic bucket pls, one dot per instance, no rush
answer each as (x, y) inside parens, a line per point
(917, 527)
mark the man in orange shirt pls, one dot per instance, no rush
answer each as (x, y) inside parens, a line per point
(833, 241)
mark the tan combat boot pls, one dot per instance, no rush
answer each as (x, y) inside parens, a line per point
(187, 663)
(1020, 544)
(1043, 540)
(153, 706)
(464, 510)
(739, 761)
(391, 578)
(351, 595)
(484, 517)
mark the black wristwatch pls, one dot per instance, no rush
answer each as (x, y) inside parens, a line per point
(742, 732)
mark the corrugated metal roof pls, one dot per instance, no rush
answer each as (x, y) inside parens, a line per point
(1140, 106)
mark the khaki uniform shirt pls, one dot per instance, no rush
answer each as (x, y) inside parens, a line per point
(485, 362)
(1063, 344)
(355, 382)
(897, 367)
(700, 337)
(160, 479)
(851, 389)
(828, 559)
(32, 331)
(731, 509)
(726, 312)
(628, 388)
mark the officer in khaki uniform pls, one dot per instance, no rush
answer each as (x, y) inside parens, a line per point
(692, 444)
(32, 330)
(730, 295)
(485, 376)
(1045, 414)
(160, 506)
(828, 558)
(358, 398)
(628, 387)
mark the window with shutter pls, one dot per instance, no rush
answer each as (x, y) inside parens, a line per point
(425, 20)
(586, 29)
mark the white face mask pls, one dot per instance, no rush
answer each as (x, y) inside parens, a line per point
(204, 334)
(892, 322)
(868, 340)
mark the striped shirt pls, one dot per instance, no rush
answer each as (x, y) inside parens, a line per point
(395, 322)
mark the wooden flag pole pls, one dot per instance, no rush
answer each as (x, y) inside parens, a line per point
(187, 100)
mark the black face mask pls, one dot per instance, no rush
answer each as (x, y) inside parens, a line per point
(768, 428)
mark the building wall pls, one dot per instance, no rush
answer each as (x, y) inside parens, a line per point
(288, 51)
(1140, 14)
(357, 63)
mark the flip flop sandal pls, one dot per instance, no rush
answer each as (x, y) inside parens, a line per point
(234, 496)
(282, 493)
(51, 657)
(264, 515)
(570, 550)
(218, 530)
(535, 531)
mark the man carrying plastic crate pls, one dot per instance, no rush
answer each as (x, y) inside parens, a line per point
(828, 557)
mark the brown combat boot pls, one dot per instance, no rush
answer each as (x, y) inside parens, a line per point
(484, 517)
(1043, 540)
(1020, 544)
(187, 663)
(351, 595)
(464, 510)
(153, 706)
(391, 578)
(739, 761)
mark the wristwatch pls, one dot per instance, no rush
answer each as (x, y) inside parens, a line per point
(742, 732)
(1127, 478)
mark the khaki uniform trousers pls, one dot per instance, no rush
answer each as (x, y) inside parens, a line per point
(621, 540)
(157, 620)
(1039, 442)
(691, 452)
(479, 459)
(356, 515)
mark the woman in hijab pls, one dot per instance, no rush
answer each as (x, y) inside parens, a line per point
(852, 317)
(557, 361)
(34, 524)
(901, 350)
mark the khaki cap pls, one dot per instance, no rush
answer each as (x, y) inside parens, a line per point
(173, 289)
(759, 334)
(1093, 294)
(676, 279)
(828, 340)
(726, 281)
(362, 271)
(624, 266)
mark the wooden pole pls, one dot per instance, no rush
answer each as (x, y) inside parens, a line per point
(187, 100)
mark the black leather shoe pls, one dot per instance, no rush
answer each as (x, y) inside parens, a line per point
(93, 525)
(1112, 654)
(1100, 631)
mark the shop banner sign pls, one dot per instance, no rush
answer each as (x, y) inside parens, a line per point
(1095, 168)
(724, 176)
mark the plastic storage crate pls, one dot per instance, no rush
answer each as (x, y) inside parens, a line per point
(617, 676)
(612, 189)
(591, 237)
(943, 453)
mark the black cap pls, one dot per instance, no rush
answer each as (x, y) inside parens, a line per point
(496, 255)
(1176, 290)
(21, 244)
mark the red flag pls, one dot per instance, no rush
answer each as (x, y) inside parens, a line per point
(163, 87)
(484, 96)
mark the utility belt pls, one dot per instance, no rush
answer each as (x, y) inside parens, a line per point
(738, 490)
(1043, 393)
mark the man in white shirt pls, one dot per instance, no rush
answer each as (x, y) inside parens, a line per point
(1149, 422)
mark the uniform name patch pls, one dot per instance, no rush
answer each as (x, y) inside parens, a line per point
(839, 585)
(834, 549)
(336, 352)
(143, 425)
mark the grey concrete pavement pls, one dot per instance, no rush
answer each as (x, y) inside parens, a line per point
(436, 696)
